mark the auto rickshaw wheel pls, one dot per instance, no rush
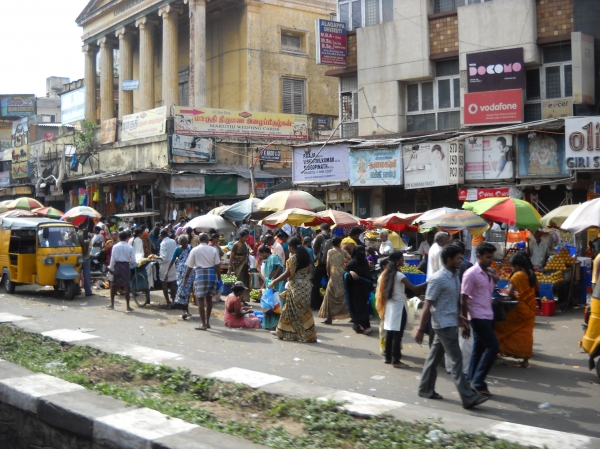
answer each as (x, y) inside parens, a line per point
(70, 290)
(9, 287)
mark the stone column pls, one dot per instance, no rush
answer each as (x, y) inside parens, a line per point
(125, 70)
(253, 99)
(170, 65)
(197, 53)
(107, 98)
(90, 82)
(146, 26)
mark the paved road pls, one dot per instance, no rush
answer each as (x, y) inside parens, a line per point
(343, 360)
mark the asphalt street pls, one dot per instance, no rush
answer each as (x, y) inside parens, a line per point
(559, 380)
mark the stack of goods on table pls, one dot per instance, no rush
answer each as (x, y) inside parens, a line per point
(556, 266)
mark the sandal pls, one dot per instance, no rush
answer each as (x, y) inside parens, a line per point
(201, 328)
(368, 331)
(185, 316)
(436, 396)
(326, 322)
(401, 365)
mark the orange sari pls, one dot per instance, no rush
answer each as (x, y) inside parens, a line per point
(515, 335)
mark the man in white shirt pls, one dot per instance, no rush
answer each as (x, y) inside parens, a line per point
(167, 276)
(204, 260)
(275, 247)
(121, 258)
(137, 244)
(434, 261)
(425, 245)
(538, 250)
(387, 247)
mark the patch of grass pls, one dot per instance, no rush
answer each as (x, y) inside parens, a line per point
(274, 421)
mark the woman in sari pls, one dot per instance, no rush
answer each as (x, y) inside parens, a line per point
(180, 255)
(296, 321)
(271, 268)
(359, 284)
(334, 303)
(238, 262)
(515, 335)
(237, 315)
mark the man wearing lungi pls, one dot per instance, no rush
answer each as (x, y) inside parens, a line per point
(121, 257)
(206, 263)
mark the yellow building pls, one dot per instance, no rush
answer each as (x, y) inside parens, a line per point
(240, 55)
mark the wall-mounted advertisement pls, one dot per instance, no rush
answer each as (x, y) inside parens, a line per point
(190, 150)
(188, 185)
(331, 43)
(495, 70)
(582, 143)
(332, 163)
(378, 167)
(5, 138)
(72, 106)
(433, 164)
(493, 108)
(489, 157)
(221, 122)
(541, 155)
(108, 131)
(13, 106)
(20, 132)
(558, 108)
(4, 178)
(144, 124)
(20, 158)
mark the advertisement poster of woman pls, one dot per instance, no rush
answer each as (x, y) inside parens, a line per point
(489, 157)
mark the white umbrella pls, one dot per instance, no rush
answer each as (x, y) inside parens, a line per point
(587, 215)
(206, 222)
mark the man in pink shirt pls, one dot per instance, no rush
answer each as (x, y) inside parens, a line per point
(477, 289)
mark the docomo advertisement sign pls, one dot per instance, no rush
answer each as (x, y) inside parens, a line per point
(331, 43)
(479, 194)
(490, 108)
(582, 143)
(495, 70)
(72, 106)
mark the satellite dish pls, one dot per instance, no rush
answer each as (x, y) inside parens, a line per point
(49, 135)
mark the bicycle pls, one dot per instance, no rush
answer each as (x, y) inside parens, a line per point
(139, 285)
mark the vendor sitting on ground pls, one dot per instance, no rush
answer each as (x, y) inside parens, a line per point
(235, 314)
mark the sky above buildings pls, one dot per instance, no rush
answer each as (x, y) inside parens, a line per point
(39, 39)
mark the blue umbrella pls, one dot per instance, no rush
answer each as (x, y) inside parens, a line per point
(245, 209)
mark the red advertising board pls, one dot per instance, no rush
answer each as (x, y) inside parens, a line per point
(479, 194)
(489, 108)
(331, 43)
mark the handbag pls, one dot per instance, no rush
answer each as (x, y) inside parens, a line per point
(499, 311)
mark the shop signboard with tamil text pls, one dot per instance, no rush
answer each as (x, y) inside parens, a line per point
(582, 143)
(489, 157)
(13, 106)
(72, 106)
(187, 185)
(541, 155)
(377, 167)
(144, 124)
(433, 164)
(222, 122)
(191, 149)
(332, 163)
(557, 108)
(493, 108)
(495, 70)
(331, 43)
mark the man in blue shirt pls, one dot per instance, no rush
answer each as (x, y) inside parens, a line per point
(442, 301)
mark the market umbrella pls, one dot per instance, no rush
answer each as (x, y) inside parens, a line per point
(245, 209)
(79, 214)
(208, 221)
(48, 212)
(17, 213)
(218, 210)
(396, 222)
(290, 199)
(433, 213)
(506, 210)
(293, 217)
(586, 215)
(24, 203)
(457, 221)
(555, 218)
(339, 219)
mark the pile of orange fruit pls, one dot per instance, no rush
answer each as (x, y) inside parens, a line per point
(560, 261)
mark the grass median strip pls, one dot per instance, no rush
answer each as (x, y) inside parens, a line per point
(274, 421)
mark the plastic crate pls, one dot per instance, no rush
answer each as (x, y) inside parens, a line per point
(226, 289)
(502, 284)
(548, 308)
(414, 262)
(416, 279)
(546, 290)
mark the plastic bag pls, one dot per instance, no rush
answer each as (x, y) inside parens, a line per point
(270, 301)
(411, 310)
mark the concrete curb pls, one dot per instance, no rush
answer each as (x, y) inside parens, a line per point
(354, 403)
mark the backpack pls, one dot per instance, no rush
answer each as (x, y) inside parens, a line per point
(325, 247)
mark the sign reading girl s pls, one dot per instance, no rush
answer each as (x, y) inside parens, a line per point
(582, 143)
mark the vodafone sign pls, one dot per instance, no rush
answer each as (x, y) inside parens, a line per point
(479, 194)
(490, 108)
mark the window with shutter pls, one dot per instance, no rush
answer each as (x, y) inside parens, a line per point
(293, 96)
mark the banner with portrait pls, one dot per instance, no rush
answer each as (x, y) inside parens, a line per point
(541, 155)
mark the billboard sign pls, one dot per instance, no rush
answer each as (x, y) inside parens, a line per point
(331, 43)
(493, 108)
(332, 163)
(541, 155)
(480, 194)
(495, 70)
(72, 106)
(433, 164)
(20, 158)
(562, 107)
(12, 106)
(582, 143)
(222, 122)
(5, 138)
(582, 50)
(190, 150)
(144, 124)
(131, 85)
(188, 185)
(108, 131)
(4, 178)
(379, 167)
(270, 155)
(489, 157)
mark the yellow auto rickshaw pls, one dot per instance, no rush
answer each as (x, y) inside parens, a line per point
(39, 251)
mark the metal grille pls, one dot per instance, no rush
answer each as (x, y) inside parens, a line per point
(293, 96)
(532, 82)
(289, 42)
(356, 15)
(557, 53)
(444, 99)
(443, 6)
(371, 12)
(533, 112)
(448, 120)
(349, 83)
(568, 81)
(348, 106)
(446, 68)
(349, 130)
(553, 82)
(421, 122)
